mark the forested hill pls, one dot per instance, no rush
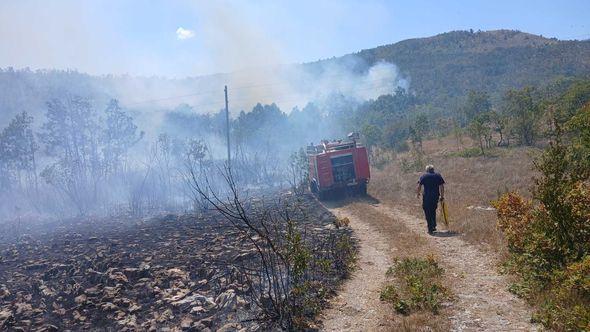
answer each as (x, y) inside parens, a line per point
(440, 70)
(447, 66)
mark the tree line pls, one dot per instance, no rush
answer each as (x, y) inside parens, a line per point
(401, 121)
(81, 158)
(65, 160)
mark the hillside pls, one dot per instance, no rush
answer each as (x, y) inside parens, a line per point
(446, 66)
(440, 70)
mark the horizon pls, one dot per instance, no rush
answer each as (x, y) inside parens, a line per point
(245, 69)
(184, 39)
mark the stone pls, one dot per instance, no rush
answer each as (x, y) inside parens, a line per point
(207, 321)
(226, 299)
(81, 299)
(186, 322)
(229, 327)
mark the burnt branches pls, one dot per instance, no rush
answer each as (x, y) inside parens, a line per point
(298, 167)
(286, 279)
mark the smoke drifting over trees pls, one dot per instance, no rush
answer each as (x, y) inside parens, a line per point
(68, 150)
(74, 142)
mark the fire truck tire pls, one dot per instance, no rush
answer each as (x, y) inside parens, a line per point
(362, 189)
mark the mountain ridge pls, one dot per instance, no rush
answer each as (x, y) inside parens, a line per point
(452, 63)
(441, 70)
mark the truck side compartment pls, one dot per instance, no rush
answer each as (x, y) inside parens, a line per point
(338, 167)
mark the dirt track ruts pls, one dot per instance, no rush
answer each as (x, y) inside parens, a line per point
(357, 306)
(481, 298)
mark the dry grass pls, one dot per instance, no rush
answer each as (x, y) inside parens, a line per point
(421, 321)
(404, 244)
(472, 183)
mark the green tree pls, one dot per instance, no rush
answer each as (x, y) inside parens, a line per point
(120, 134)
(395, 135)
(17, 150)
(422, 125)
(524, 114)
(72, 134)
(418, 131)
(372, 135)
(479, 130)
(499, 122)
(575, 98)
(477, 103)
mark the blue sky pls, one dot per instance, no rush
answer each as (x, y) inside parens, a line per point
(142, 37)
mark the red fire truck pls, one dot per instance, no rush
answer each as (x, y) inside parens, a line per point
(338, 166)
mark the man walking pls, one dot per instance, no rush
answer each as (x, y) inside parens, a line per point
(434, 190)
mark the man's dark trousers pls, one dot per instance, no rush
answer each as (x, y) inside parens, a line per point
(429, 205)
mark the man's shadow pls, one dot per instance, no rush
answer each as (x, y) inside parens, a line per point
(446, 233)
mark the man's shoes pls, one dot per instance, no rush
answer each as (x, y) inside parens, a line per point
(431, 232)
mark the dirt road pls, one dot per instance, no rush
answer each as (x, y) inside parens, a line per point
(357, 306)
(481, 300)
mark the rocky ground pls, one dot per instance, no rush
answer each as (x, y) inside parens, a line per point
(169, 272)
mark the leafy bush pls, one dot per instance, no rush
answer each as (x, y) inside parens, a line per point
(381, 157)
(567, 308)
(341, 222)
(549, 238)
(414, 162)
(419, 287)
(344, 255)
(514, 219)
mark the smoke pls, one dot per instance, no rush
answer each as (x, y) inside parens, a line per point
(58, 34)
(255, 70)
(288, 86)
(252, 61)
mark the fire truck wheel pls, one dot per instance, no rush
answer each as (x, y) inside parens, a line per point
(362, 189)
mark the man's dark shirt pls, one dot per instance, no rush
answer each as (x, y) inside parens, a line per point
(431, 181)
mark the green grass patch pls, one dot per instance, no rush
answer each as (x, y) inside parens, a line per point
(417, 285)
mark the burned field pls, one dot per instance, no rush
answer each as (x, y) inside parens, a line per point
(177, 271)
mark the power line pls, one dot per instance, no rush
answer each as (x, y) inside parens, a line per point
(163, 99)
(359, 89)
(294, 97)
(233, 89)
(373, 86)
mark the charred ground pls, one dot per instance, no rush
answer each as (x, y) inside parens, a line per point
(175, 270)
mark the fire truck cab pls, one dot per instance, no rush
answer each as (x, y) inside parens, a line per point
(338, 166)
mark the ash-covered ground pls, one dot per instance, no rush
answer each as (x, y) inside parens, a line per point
(175, 271)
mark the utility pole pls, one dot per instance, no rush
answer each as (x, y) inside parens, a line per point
(227, 129)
